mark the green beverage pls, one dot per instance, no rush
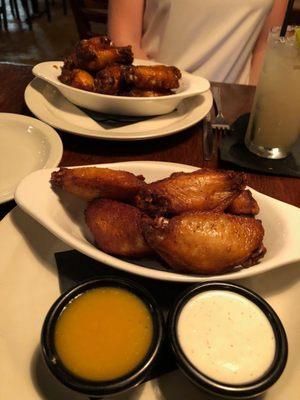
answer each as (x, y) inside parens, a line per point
(274, 123)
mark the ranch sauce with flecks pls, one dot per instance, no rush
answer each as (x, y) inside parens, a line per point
(226, 337)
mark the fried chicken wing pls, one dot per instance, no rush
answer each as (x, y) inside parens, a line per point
(135, 92)
(71, 62)
(77, 78)
(116, 228)
(206, 242)
(201, 190)
(110, 80)
(114, 74)
(98, 42)
(91, 182)
(153, 77)
(93, 58)
(244, 203)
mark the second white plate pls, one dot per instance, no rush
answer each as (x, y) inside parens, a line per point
(63, 215)
(27, 144)
(50, 106)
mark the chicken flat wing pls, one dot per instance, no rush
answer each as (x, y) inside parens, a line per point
(92, 58)
(116, 228)
(244, 203)
(77, 78)
(206, 242)
(202, 190)
(91, 182)
(153, 77)
(110, 80)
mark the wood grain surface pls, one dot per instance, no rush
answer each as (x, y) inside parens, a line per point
(184, 147)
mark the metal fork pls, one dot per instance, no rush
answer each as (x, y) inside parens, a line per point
(214, 127)
(220, 122)
(208, 138)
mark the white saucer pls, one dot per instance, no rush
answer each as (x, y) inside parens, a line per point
(50, 106)
(26, 146)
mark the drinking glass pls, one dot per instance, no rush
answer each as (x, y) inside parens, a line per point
(274, 123)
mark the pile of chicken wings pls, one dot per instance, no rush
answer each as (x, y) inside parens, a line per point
(201, 222)
(97, 65)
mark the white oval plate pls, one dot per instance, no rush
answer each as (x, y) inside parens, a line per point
(26, 145)
(63, 216)
(30, 285)
(190, 85)
(50, 106)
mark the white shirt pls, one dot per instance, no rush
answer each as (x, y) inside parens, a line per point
(211, 38)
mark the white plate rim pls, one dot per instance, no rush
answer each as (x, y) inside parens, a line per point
(91, 251)
(56, 146)
(38, 109)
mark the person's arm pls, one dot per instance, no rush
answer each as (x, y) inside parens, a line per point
(275, 18)
(125, 20)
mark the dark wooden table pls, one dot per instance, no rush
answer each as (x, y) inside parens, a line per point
(181, 148)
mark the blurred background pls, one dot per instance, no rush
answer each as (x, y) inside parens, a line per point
(40, 30)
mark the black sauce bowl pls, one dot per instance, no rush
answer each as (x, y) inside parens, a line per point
(100, 388)
(219, 389)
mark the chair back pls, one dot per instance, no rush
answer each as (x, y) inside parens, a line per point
(87, 12)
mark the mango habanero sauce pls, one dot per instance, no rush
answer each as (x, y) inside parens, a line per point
(103, 334)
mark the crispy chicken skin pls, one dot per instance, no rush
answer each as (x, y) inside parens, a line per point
(97, 42)
(244, 203)
(202, 190)
(110, 80)
(206, 242)
(116, 228)
(93, 58)
(153, 77)
(71, 62)
(77, 78)
(91, 182)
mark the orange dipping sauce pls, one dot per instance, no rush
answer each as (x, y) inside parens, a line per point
(103, 334)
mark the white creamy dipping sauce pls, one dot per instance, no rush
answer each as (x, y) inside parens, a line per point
(226, 337)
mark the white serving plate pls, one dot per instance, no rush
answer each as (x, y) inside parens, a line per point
(63, 215)
(190, 85)
(29, 286)
(26, 144)
(49, 105)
